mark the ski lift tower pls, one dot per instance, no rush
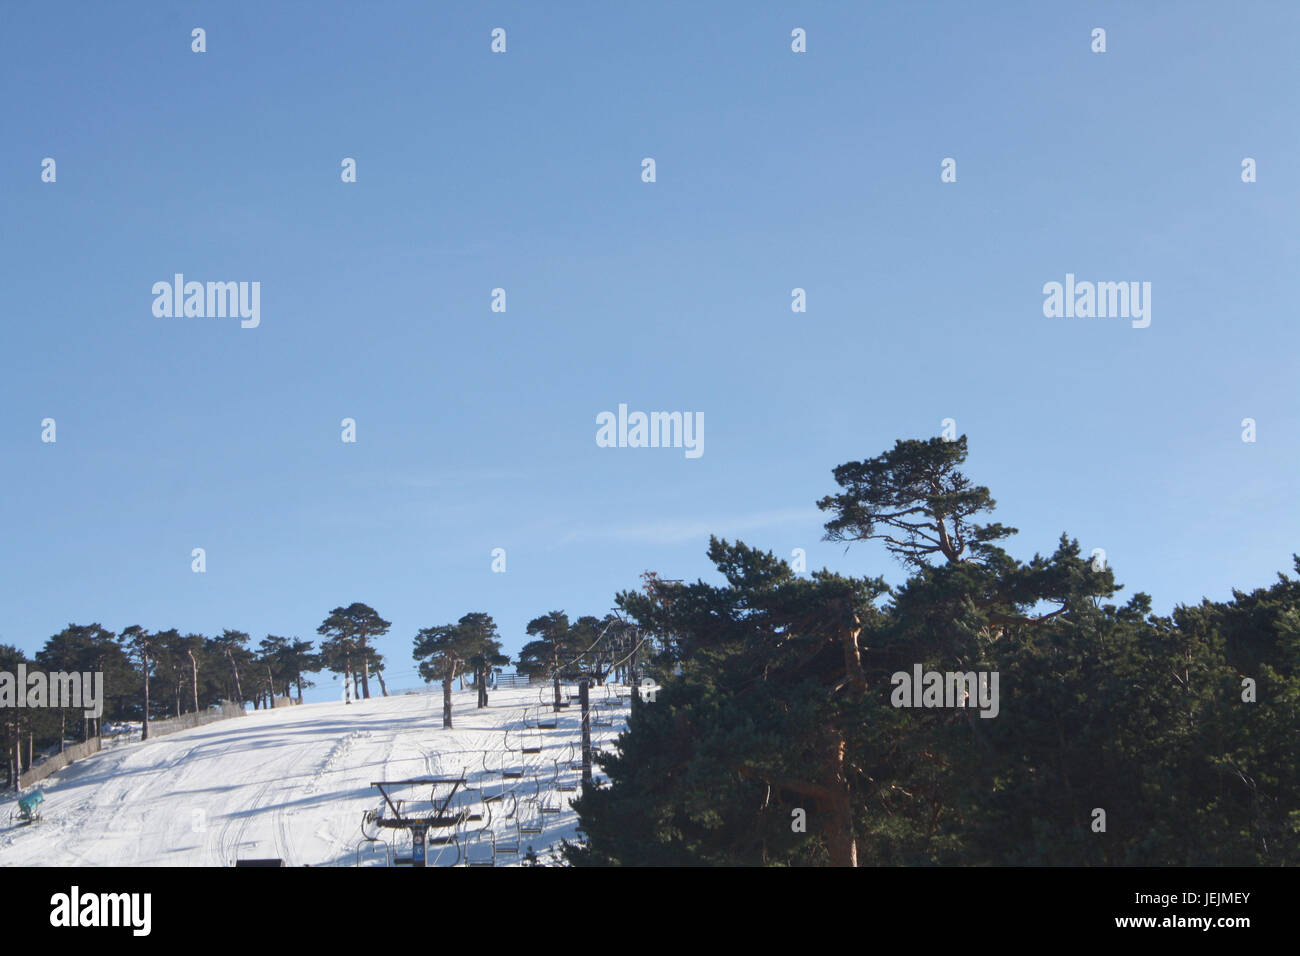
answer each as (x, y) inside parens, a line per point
(419, 825)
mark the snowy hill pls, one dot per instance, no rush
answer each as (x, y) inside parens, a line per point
(294, 784)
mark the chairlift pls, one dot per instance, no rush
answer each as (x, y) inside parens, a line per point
(371, 844)
(575, 756)
(471, 802)
(500, 767)
(370, 852)
(549, 803)
(479, 851)
(530, 817)
(507, 843)
(564, 784)
(530, 741)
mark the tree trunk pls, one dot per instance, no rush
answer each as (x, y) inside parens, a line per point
(195, 667)
(144, 733)
(347, 680)
(365, 667)
(239, 692)
(447, 678)
(849, 629)
(300, 687)
(838, 826)
(379, 673)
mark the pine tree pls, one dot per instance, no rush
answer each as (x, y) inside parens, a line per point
(354, 626)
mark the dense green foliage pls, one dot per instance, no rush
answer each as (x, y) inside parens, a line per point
(776, 739)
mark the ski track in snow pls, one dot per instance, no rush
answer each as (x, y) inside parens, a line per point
(293, 783)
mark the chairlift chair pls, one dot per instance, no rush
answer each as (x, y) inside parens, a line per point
(530, 742)
(549, 803)
(575, 756)
(564, 784)
(502, 768)
(506, 843)
(481, 851)
(471, 801)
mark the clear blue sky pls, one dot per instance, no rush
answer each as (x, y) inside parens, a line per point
(775, 170)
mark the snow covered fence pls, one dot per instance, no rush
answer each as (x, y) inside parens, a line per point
(160, 728)
(58, 762)
(157, 728)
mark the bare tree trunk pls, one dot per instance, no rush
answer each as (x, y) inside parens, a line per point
(144, 733)
(195, 666)
(849, 631)
(365, 667)
(383, 688)
(838, 826)
(239, 693)
(448, 677)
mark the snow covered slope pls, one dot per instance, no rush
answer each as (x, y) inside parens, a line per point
(294, 784)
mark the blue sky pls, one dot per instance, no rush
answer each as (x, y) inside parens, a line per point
(522, 170)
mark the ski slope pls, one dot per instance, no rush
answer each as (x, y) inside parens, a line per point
(294, 783)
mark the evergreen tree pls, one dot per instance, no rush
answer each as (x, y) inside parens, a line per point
(90, 649)
(232, 646)
(778, 704)
(138, 641)
(353, 626)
